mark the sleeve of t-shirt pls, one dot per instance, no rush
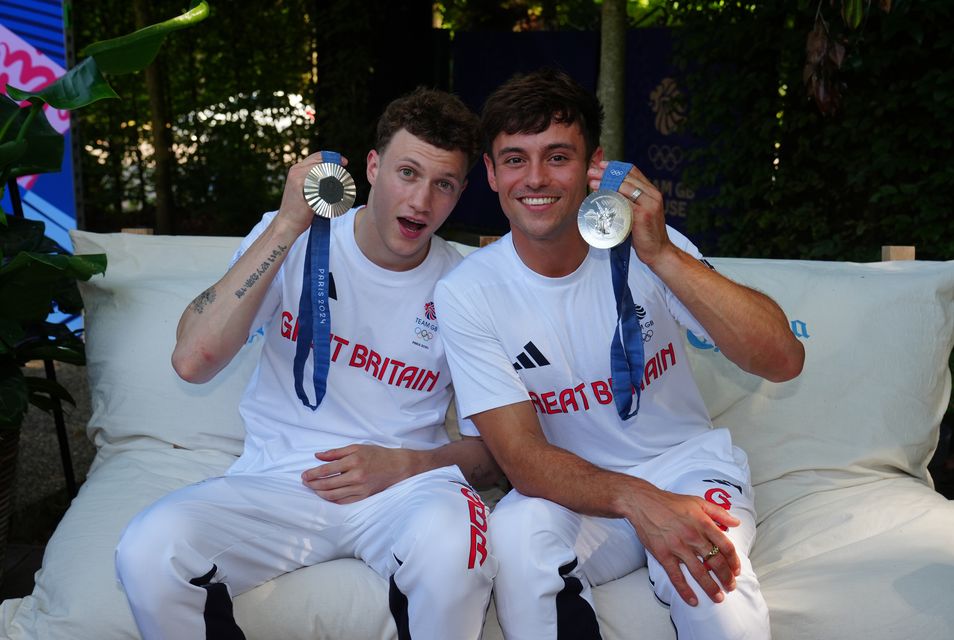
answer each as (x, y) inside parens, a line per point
(272, 299)
(482, 374)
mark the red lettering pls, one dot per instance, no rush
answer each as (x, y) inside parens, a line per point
(340, 342)
(549, 401)
(651, 371)
(719, 497)
(668, 351)
(396, 364)
(384, 367)
(478, 527)
(567, 400)
(359, 356)
(602, 392)
(580, 390)
(478, 545)
(428, 377)
(407, 377)
(374, 359)
(287, 325)
(478, 515)
(535, 399)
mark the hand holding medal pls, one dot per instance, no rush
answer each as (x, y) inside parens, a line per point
(605, 217)
(329, 189)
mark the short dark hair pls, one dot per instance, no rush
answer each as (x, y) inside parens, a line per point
(528, 103)
(436, 117)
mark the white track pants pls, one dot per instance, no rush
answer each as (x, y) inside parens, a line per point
(549, 556)
(182, 559)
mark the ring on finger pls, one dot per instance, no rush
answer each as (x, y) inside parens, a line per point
(636, 193)
(713, 552)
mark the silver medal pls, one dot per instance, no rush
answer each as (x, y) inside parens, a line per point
(605, 219)
(329, 189)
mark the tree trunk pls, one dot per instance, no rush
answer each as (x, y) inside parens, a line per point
(161, 132)
(612, 77)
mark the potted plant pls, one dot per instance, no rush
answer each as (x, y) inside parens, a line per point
(36, 274)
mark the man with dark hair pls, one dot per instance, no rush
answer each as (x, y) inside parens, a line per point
(389, 487)
(569, 360)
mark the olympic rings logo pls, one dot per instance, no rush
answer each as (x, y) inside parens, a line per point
(647, 335)
(665, 157)
(423, 334)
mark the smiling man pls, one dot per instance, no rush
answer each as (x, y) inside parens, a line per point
(614, 461)
(387, 486)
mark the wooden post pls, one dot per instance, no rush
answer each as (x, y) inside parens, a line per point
(896, 252)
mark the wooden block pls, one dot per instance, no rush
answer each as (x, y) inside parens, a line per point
(896, 252)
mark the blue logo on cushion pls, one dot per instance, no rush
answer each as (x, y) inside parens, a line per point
(799, 328)
(699, 343)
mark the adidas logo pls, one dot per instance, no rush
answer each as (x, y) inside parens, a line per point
(640, 312)
(530, 358)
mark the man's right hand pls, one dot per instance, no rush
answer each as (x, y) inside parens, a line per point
(681, 530)
(295, 213)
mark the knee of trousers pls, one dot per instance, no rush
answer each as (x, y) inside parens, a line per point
(149, 552)
(742, 615)
(527, 540)
(449, 541)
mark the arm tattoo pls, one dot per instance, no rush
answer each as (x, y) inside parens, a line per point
(203, 300)
(265, 266)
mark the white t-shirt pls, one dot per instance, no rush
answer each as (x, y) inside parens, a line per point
(388, 381)
(512, 334)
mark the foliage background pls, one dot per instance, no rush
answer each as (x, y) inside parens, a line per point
(776, 178)
(798, 184)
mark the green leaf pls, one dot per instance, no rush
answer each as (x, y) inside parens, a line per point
(852, 11)
(51, 389)
(34, 280)
(13, 394)
(50, 351)
(23, 234)
(136, 50)
(11, 332)
(12, 151)
(44, 152)
(78, 87)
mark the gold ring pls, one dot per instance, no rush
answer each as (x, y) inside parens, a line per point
(636, 193)
(713, 552)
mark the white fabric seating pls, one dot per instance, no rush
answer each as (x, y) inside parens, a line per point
(852, 541)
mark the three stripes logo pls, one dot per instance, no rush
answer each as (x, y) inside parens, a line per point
(530, 358)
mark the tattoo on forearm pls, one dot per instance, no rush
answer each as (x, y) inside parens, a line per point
(265, 266)
(203, 300)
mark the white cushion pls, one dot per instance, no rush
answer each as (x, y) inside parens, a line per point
(875, 384)
(132, 313)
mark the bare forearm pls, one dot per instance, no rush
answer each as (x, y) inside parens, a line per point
(537, 468)
(215, 325)
(470, 454)
(749, 327)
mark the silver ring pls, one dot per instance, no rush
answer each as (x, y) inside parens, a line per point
(636, 193)
(713, 552)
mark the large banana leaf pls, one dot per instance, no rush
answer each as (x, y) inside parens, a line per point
(136, 50)
(78, 87)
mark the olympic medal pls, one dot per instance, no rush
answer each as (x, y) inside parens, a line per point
(605, 219)
(329, 189)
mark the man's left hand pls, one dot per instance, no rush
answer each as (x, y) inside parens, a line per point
(649, 235)
(357, 471)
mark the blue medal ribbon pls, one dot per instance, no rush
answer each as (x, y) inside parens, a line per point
(314, 309)
(626, 353)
